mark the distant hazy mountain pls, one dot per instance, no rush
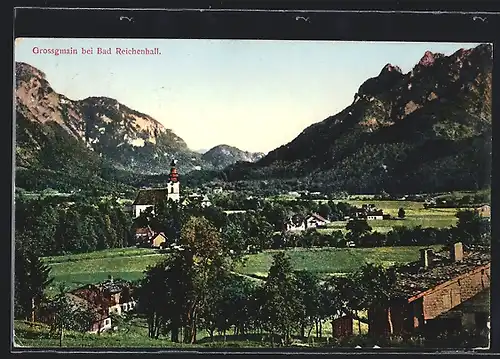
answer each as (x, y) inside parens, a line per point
(426, 130)
(222, 156)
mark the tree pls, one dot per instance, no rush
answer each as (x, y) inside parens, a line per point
(62, 313)
(203, 252)
(212, 313)
(358, 228)
(378, 285)
(281, 309)
(69, 232)
(40, 227)
(401, 213)
(325, 210)
(66, 315)
(332, 300)
(31, 278)
(308, 293)
(162, 295)
(233, 240)
(472, 228)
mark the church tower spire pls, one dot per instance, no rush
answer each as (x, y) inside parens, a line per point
(174, 176)
(173, 182)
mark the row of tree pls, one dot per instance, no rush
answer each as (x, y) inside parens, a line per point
(253, 231)
(277, 211)
(53, 226)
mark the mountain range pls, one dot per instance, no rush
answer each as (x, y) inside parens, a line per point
(58, 134)
(222, 156)
(425, 130)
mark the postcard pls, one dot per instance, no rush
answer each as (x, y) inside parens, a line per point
(249, 194)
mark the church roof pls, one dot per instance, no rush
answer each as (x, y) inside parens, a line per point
(150, 196)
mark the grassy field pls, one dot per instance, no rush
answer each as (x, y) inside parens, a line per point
(331, 260)
(79, 269)
(129, 263)
(415, 215)
(134, 334)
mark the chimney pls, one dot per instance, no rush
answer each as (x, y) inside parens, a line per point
(457, 252)
(426, 257)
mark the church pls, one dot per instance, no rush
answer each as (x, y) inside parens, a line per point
(149, 197)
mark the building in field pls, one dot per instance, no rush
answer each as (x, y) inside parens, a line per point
(99, 312)
(102, 300)
(146, 237)
(440, 293)
(199, 199)
(314, 220)
(115, 296)
(484, 210)
(150, 197)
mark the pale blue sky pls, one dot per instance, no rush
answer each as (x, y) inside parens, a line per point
(252, 94)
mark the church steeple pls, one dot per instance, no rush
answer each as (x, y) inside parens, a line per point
(173, 185)
(174, 176)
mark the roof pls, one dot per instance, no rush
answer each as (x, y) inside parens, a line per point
(143, 230)
(484, 206)
(159, 234)
(150, 196)
(413, 279)
(114, 286)
(318, 217)
(85, 304)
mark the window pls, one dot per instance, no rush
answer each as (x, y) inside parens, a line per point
(172, 189)
(106, 322)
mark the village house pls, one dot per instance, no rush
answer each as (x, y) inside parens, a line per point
(159, 240)
(342, 325)
(143, 234)
(367, 212)
(484, 210)
(102, 319)
(295, 224)
(99, 312)
(235, 211)
(314, 220)
(101, 300)
(150, 197)
(197, 198)
(439, 292)
(217, 190)
(146, 237)
(116, 296)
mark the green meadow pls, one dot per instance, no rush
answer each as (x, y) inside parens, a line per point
(75, 270)
(331, 261)
(130, 263)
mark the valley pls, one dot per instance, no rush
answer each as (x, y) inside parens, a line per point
(126, 237)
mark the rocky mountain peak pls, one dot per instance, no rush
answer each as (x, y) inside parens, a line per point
(25, 71)
(434, 119)
(390, 68)
(428, 59)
